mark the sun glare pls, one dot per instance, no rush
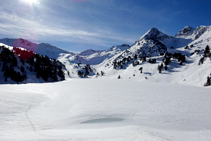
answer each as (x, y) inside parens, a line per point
(31, 1)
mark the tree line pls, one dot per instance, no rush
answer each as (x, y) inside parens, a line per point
(15, 63)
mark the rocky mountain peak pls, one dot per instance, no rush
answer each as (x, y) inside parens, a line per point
(186, 31)
(155, 34)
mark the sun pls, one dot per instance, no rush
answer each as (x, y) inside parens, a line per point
(31, 1)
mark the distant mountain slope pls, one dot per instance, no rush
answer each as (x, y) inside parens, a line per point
(181, 58)
(42, 48)
(189, 36)
(90, 56)
(192, 33)
(18, 65)
(96, 57)
(79, 62)
(154, 42)
(178, 59)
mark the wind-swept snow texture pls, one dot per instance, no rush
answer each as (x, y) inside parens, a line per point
(105, 110)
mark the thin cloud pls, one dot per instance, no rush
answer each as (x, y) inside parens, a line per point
(16, 25)
(48, 24)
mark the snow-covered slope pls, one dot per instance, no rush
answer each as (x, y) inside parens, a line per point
(203, 37)
(105, 110)
(192, 33)
(190, 36)
(186, 32)
(93, 57)
(42, 48)
(153, 45)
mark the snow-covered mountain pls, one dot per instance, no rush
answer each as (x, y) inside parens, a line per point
(93, 57)
(192, 33)
(156, 48)
(186, 32)
(152, 49)
(154, 34)
(41, 48)
(18, 65)
(132, 93)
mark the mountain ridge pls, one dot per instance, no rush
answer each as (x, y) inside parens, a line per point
(39, 48)
(155, 34)
(151, 50)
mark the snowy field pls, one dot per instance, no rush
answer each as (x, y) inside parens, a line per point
(105, 110)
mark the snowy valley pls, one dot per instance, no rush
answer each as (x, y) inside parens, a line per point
(153, 90)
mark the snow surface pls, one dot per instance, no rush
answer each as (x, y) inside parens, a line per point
(191, 73)
(104, 109)
(148, 106)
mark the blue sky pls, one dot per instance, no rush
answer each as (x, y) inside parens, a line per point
(77, 25)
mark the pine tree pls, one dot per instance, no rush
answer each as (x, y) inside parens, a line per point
(135, 57)
(15, 62)
(22, 69)
(159, 68)
(102, 73)
(121, 67)
(97, 74)
(30, 69)
(207, 51)
(201, 61)
(208, 81)
(141, 69)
